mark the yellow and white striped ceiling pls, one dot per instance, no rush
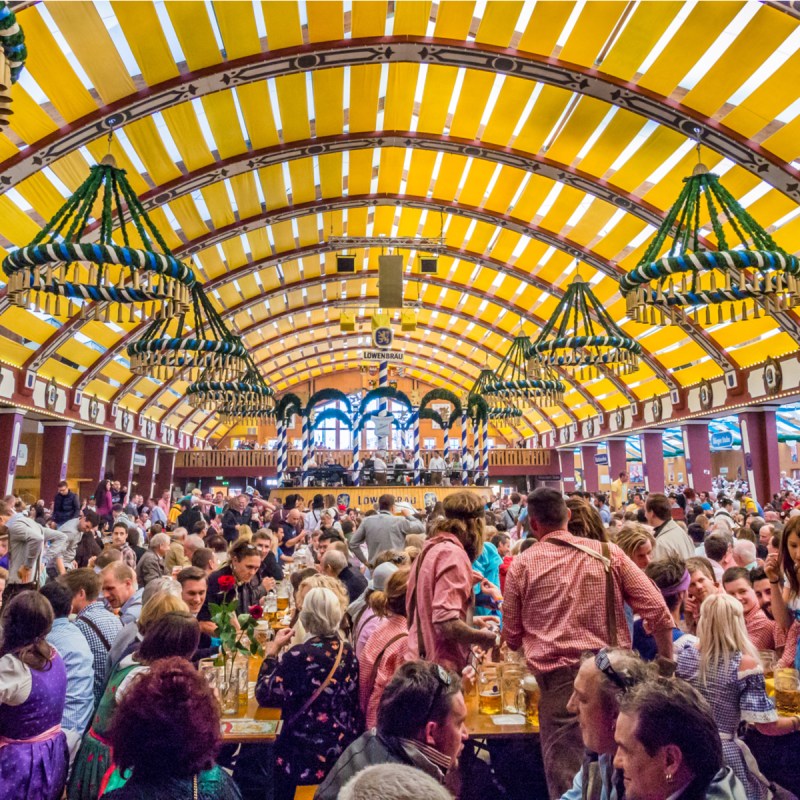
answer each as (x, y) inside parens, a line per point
(521, 171)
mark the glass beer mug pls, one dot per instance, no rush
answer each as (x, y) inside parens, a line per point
(490, 700)
(532, 694)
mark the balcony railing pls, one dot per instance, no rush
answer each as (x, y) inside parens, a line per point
(225, 460)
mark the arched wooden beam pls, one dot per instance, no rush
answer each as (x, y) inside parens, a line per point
(697, 333)
(468, 380)
(403, 49)
(267, 343)
(422, 279)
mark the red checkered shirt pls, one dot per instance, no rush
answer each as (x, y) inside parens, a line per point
(760, 629)
(555, 601)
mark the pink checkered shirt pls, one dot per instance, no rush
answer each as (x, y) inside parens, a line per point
(555, 601)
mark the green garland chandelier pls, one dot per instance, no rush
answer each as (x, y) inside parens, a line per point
(736, 280)
(249, 394)
(207, 348)
(61, 265)
(12, 58)
(516, 385)
(583, 345)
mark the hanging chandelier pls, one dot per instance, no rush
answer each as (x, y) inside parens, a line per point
(574, 340)
(207, 348)
(520, 384)
(248, 394)
(61, 265)
(501, 409)
(12, 58)
(747, 271)
(236, 415)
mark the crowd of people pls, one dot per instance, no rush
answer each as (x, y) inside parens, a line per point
(649, 624)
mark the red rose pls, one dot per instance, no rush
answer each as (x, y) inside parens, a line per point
(226, 582)
(256, 612)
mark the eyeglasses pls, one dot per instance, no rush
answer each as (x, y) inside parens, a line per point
(603, 663)
(444, 680)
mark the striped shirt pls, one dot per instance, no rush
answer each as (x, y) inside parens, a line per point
(109, 626)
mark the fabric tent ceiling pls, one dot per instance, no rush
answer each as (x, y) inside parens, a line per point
(519, 173)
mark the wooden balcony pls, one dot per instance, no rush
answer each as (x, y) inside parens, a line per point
(257, 463)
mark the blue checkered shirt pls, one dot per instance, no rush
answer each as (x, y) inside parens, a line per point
(77, 657)
(109, 626)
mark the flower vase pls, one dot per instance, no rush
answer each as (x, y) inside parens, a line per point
(228, 687)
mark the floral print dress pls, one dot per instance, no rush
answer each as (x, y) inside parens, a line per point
(307, 747)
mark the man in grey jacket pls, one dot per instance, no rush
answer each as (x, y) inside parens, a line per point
(29, 546)
(383, 531)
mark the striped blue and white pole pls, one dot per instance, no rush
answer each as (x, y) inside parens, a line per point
(464, 448)
(383, 407)
(306, 449)
(281, 445)
(417, 459)
(485, 451)
(356, 451)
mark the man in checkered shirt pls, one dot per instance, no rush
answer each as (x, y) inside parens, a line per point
(555, 608)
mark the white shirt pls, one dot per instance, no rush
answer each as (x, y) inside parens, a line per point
(437, 464)
(378, 464)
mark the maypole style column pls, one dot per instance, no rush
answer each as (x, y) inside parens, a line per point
(95, 456)
(591, 474)
(417, 458)
(280, 466)
(761, 458)
(55, 456)
(485, 451)
(10, 434)
(464, 448)
(617, 457)
(697, 453)
(653, 460)
(356, 440)
(306, 432)
(383, 405)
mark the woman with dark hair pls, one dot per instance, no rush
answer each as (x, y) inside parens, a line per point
(668, 745)
(440, 594)
(786, 602)
(176, 634)
(149, 737)
(585, 520)
(103, 502)
(33, 687)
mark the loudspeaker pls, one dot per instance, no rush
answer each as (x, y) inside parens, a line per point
(347, 320)
(428, 266)
(408, 319)
(345, 263)
(390, 281)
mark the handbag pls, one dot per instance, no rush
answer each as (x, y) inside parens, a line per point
(319, 690)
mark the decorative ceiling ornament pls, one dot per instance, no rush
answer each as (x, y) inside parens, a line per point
(737, 278)
(247, 394)
(773, 376)
(573, 340)
(501, 409)
(60, 264)
(706, 395)
(521, 384)
(12, 58)
(206, 351)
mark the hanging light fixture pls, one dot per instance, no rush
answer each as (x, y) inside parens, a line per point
(12, 58)
(520, 384)
(500, 410)
(249, 393)
(580, 337)
(61, 265)
(747, 271)
(207, 348)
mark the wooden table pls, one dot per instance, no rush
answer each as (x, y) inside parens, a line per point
(252, 712)
(480, 726)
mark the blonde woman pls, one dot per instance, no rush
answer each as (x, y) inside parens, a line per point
(637, 542)
(724, 667)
